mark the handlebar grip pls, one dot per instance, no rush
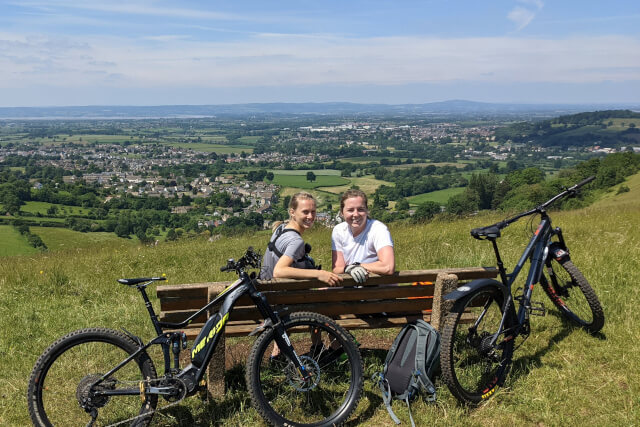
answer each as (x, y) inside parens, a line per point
(224, 268)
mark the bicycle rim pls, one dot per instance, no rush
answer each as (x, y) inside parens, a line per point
(573, 296)
(64, 374)
(334, 362)
(472, 367)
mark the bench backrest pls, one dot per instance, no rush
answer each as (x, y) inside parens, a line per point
(354, 306)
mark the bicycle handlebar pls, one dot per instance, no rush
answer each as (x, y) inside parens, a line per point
(251, 258)
(493, 231)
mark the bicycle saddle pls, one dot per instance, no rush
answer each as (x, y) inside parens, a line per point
(131, 282)
(488, 232)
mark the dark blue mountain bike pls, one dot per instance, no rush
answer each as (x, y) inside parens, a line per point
(480, 330)
(99, 376)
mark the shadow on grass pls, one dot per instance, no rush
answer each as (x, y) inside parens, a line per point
(525, 364)
(214, 409)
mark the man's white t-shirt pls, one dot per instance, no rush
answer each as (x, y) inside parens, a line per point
(365, 246)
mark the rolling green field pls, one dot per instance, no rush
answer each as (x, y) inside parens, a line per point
(41, 207)
(209, 148)
(561, 375)
(249, 139)
(440, 196)
(57, 238)
(300, 181)
(326, 172)
(367, 183)
(13, 243)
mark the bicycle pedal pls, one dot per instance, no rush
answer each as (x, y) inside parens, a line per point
(537, 308)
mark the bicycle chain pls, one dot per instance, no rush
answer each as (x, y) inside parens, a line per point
(149, 414)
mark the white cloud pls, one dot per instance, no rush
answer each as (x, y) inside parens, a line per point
(522, 16)
(319, 60)
(128, 7)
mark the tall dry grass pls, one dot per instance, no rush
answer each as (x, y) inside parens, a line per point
(561, 375)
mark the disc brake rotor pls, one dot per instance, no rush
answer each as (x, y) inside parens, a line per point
(295, 379)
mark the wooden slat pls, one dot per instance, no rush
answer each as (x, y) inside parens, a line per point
(338, 308)
(405, 276)
(189, 289)
(176, 303)
(342, 294)
(181, 315)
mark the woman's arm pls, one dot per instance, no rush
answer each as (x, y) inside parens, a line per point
(385, 265)
(337, 262)
(283, 269)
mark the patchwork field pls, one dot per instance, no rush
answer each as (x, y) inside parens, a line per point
(210, 148)
(42, 207)
(57, 238)
(300, 181)
(440, 196)
(13, 243)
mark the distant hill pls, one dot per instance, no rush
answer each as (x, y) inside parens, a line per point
(453, 107)
(608, 128)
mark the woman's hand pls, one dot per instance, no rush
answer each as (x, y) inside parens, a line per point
(328, 277)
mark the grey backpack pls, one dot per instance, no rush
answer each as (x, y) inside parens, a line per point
(412, 361)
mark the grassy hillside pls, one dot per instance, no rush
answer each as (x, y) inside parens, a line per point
(13, 243)
(561, 375)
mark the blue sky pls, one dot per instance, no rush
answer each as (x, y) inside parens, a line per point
(144, 52)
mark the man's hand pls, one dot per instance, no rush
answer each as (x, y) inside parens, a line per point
(358, 272)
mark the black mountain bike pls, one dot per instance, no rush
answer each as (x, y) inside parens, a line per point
(480, 330)
(303, 369)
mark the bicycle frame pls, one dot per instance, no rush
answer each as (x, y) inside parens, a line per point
(537, 252)
(207, 339)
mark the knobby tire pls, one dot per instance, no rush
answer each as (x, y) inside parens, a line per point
(337, 375)
(472, 368)
(62, 376)
(572, 294)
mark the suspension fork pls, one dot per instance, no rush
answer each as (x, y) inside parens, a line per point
(281, 337)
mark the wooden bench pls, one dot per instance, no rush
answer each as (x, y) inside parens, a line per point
(352, 306)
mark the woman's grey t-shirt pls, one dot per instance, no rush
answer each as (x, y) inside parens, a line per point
(289, 243)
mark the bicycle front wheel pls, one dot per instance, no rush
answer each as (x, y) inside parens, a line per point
(328, 352)
(475, 358)
(60, 391)
(573, 295)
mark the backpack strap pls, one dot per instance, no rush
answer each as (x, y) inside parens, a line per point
(413, 424)
(386, 395)
(272, 243)
(422, 373)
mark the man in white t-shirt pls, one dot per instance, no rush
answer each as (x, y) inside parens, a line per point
(360, 245)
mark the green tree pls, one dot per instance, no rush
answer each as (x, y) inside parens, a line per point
(484, 186)
(311, 176)
(463, 203)
(171, 235)
(426, 211)
(12, 203)
(402, 204)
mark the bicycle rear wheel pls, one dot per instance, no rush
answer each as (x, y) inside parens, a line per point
(572, 295)
(60, 392)
(328, 352)
(472, 366)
